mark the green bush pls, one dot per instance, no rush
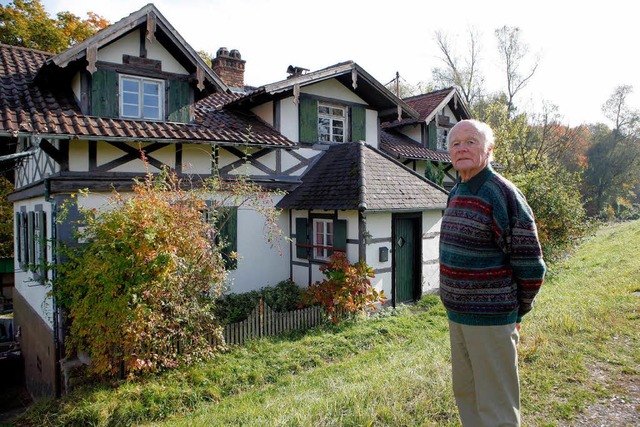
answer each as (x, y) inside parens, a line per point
(557, 205)
(232, 308)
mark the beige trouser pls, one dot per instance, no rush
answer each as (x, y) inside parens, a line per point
(484, 362)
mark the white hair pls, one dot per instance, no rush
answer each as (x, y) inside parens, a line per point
(483, 129)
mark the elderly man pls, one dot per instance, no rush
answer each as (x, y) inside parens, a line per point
(491, 269)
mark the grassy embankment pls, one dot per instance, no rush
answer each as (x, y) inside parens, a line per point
(582, 336)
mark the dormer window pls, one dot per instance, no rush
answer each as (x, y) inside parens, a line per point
(332, 122)
(141, 98)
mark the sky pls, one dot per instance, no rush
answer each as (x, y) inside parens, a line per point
(586, 49)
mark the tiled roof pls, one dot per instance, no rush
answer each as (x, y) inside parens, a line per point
(397, 145)
(425, 104)
(356, 176)
(26, 107)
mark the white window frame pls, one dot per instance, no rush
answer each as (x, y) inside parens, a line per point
(141, 97)
(441, 139)
(323, 238)
(332, 136)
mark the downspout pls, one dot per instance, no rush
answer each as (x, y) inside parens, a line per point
(362, 205)
(58, 335)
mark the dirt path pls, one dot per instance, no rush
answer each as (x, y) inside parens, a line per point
(620, 410)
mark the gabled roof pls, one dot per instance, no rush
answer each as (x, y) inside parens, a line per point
(401, 146)
(356, 176)
(156, 27)
(28, 108)
(351, 75)
(429, 104)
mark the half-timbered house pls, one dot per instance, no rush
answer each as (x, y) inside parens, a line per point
(79, 119)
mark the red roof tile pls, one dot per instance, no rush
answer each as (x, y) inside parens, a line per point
(28, 107)
(398, 145)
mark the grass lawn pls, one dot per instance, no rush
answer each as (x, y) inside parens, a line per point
(580, 341)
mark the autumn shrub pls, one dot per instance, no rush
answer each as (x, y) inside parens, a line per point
(346, 289)
(139, 288)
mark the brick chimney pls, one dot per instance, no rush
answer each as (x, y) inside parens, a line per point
(229, 66)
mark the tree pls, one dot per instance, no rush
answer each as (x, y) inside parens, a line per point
(513, 53)
(207, 57)
(463, 74)
(509, 132)
(614, 156)
(25, 23)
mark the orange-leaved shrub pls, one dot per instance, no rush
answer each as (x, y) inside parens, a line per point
(138, 290)
(346, 289)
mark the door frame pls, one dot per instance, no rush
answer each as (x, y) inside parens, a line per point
(417, 269)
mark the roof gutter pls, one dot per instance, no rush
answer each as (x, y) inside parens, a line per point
(148, 140)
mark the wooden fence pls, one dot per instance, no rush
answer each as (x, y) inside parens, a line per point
(263, 321)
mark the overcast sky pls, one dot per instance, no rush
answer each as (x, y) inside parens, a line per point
(586, 48)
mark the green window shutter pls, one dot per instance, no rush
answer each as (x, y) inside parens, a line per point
(24, 237)
(178, 102)
(42, 245)
(358, 123)
(433, 136)
(104, 94)
(18, 234)
(339, 234)
(302, 238)
(228, 235)
(308, 120)
(31, 243)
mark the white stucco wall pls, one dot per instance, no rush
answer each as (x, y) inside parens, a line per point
(332, 89)
(289, 126)
(127, 45)
(130, 45)
(379, 227)
(259, 264)
(197, 159)
(265, 112)
(373, 128)
(431, 221)
(31, 290)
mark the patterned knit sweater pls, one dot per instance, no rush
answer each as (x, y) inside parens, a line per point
(491, 265)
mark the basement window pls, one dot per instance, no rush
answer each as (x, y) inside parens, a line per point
(141, 98)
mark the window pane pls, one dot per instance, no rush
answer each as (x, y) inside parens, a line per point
(150, 101)
(151, 88)
(323, 109)
(337, 112)
(130, 98)
(151, 112)
(338, 123)
(130, 85)
(130, 110)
